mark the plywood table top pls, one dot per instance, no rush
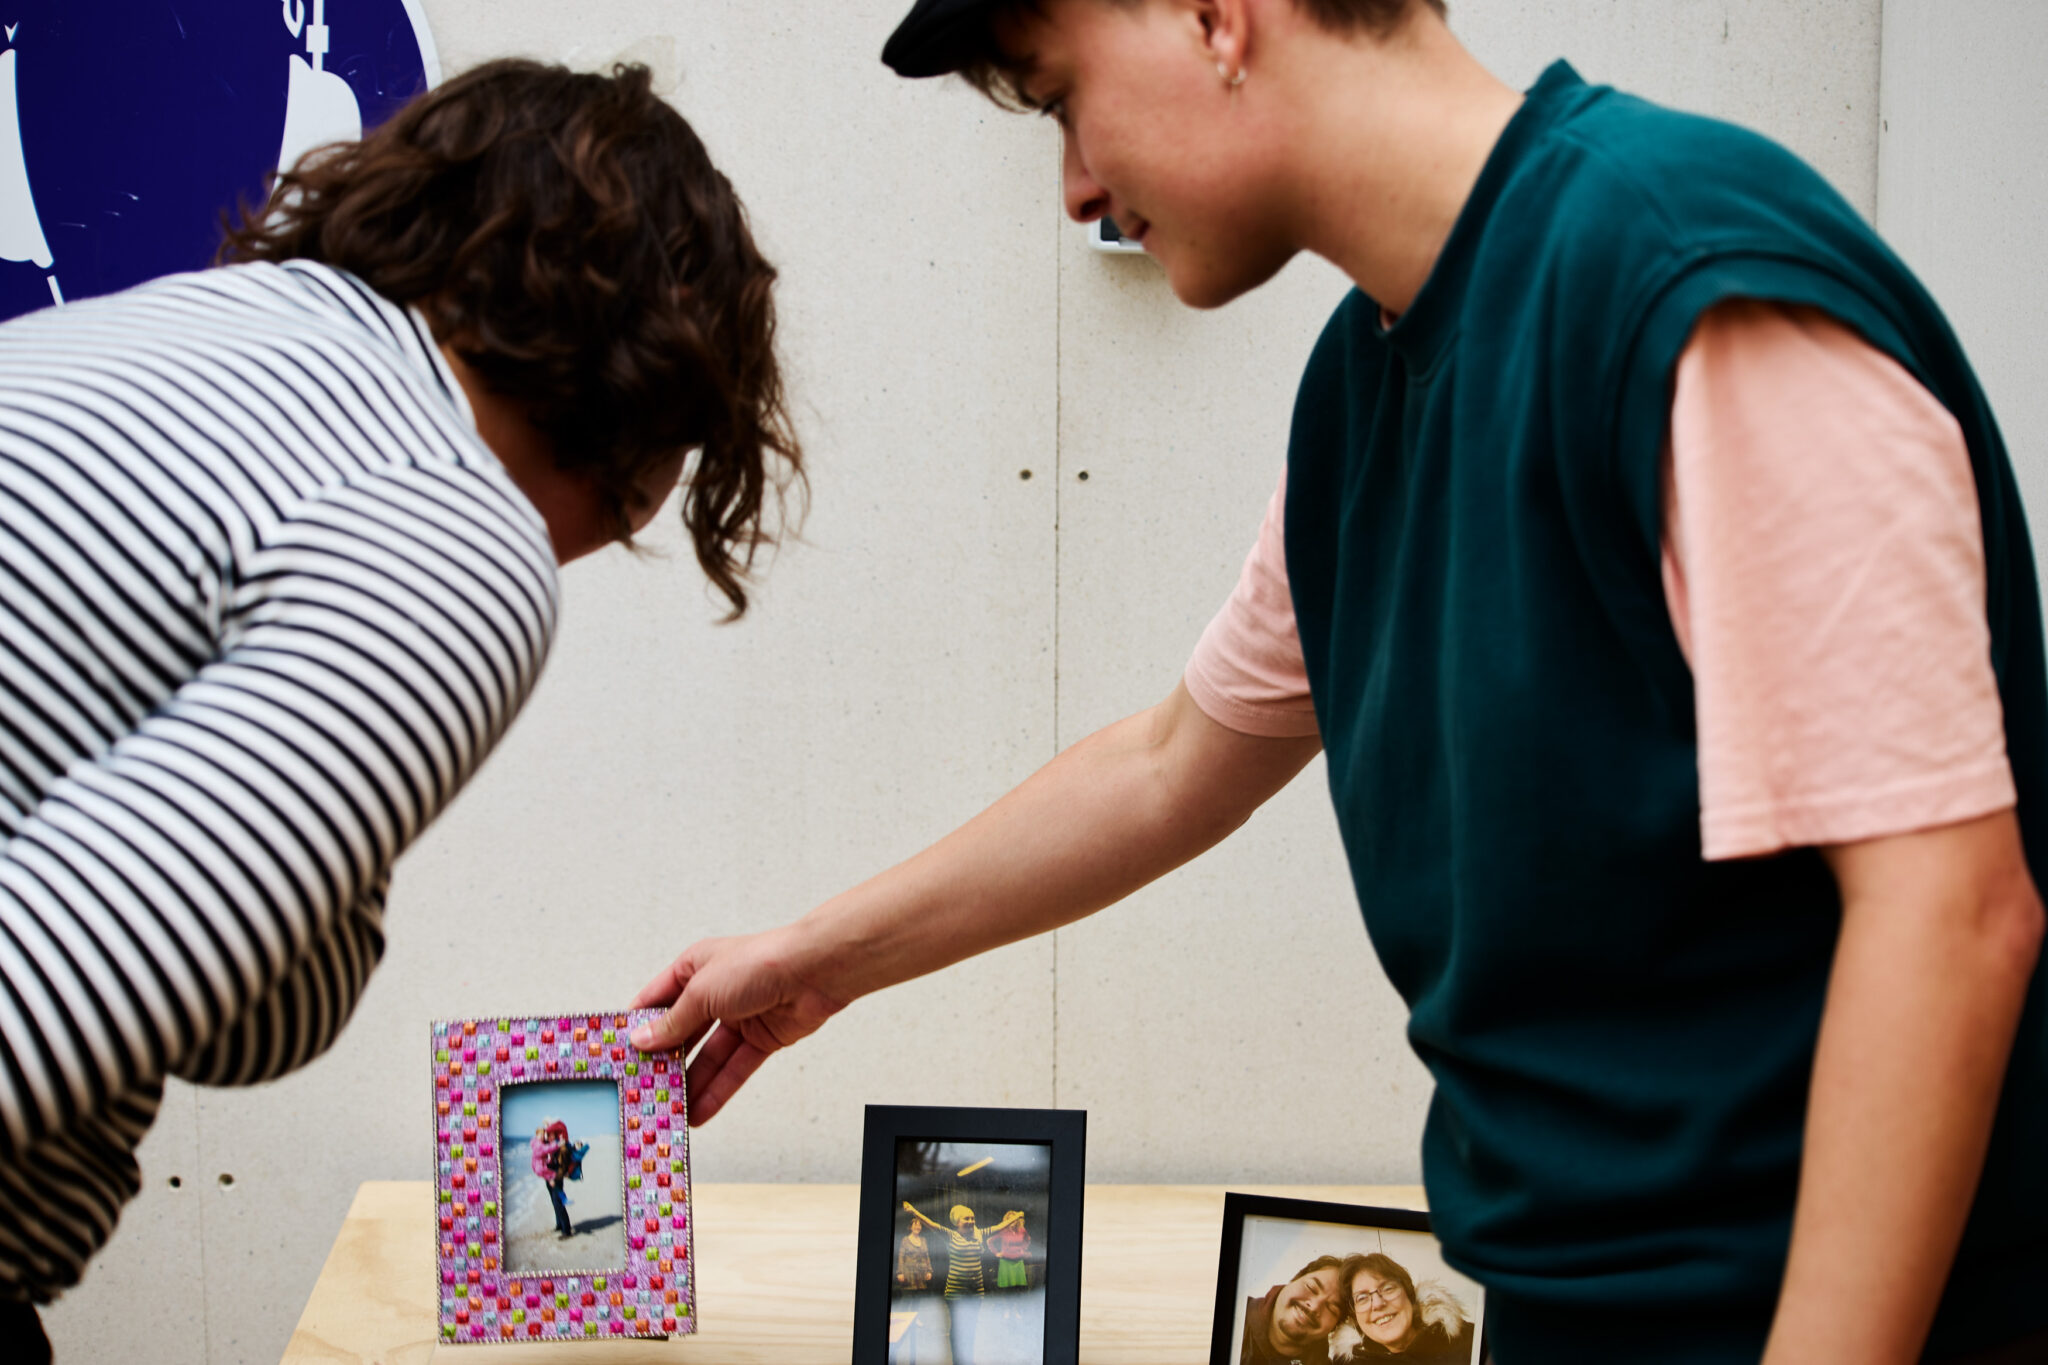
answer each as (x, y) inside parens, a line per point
(775, 1268)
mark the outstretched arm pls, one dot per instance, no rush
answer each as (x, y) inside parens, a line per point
(920, 1217)
(1124, 806)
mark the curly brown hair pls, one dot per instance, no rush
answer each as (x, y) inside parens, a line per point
(568, 236)
(996, 73)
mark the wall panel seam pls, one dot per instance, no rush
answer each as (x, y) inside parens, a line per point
(1059, 492)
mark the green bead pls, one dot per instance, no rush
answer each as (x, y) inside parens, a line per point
(667, 1209)
(561, 1300)
(442, 1055)
(518, 1316)
(582, 1065)
(632, 1068)
(597, 1283)
(589, 1329)
(448, 1330)
(455, 1149)
(532, 1053)
(633, 1182)
(483, 1068)
(675, 1164)
(661, 1097)
(628, 1310)
(447, 1196)
(490, 1209)
(610, 1037)
(469, 1108)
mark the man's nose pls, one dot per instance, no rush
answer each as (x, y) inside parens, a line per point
(1085, 199)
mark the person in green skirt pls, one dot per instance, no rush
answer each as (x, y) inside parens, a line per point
(1011, 1246)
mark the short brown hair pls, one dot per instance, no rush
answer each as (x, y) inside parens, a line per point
(995, 73)
(1320, 1263)
(568, 234)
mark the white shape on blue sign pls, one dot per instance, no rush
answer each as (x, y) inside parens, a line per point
(130, 129)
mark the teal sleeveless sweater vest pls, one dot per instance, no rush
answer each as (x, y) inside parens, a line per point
(1621, 1034)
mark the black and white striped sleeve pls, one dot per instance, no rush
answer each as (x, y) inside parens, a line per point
(206, 898)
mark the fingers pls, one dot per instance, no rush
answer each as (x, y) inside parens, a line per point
(720, 1068)
(681, 1027)
(670, 981)
(661, 991)
(687, 1017)
(707, 1063)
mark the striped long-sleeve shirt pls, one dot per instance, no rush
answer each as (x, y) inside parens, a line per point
(266, 602)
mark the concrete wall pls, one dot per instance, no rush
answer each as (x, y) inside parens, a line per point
(1963, 195)
(949, 623)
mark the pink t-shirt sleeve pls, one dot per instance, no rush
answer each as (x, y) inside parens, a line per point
(1824, 566)
(1247, 672)
(1824, 569)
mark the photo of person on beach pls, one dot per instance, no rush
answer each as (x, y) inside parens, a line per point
(556, 1159)
(564, 1185)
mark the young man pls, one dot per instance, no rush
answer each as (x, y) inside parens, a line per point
(280, 544)
(1290, 1324)
(1650, 570)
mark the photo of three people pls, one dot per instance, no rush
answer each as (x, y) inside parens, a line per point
(969, 1268)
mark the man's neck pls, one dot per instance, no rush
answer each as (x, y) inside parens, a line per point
(1390, 135)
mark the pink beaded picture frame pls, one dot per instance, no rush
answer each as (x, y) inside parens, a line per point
(610, 1139)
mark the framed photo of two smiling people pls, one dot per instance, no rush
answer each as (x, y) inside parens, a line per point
(1302, 1282)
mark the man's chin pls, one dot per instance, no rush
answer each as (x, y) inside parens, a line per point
(1208, 284)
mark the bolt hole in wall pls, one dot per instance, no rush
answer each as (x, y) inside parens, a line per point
(176, 1183)
(226, 1180)
(1082, 476)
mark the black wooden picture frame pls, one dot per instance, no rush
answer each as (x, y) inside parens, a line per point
(1063, 1131)
(1224, 1347)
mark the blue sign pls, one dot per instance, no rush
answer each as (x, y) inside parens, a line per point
(128, 128)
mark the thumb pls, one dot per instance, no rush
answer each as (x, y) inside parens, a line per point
(679, 1028)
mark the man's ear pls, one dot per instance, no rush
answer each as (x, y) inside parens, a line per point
(1225, 27)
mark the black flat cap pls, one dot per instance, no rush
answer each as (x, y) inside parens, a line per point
(939, 36)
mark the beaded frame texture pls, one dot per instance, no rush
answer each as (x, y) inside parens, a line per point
(652, 1294)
